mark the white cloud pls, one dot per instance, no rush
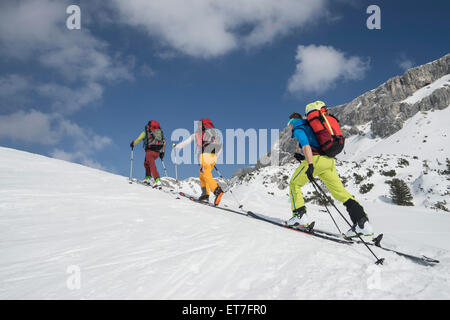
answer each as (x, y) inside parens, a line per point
(49, 129)
(68, 100)
(84, 140)
(404, 62)
(13, 84)
(208, 28)
(35, 32)
(13, 92)
(319, 67)
(85, 143)
(78, 157)
(29, 127)
(34, 127)
(24, 25)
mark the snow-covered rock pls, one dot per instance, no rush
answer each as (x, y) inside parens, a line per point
(387, 107)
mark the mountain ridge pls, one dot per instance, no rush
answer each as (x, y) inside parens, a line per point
(385, 106)
(380, 112)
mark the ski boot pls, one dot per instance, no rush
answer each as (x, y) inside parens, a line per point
(362, 228)
(218, 193)
(204, 197)
(300, 218)
(148, 181)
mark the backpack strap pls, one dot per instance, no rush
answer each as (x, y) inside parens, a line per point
(146, 138)
(328, 124)
(315, 150)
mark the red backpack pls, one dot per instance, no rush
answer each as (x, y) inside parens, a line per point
(208, 139)
(327, 130)
(154, 136)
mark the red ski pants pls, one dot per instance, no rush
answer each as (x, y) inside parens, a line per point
(149, 164)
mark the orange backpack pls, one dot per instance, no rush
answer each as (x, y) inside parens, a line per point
(327, 130)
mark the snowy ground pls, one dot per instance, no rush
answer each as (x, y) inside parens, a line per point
(264, 191)
(428, 90)
(425, 135)
(132, 242)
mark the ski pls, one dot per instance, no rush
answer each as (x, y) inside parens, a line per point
(424, 260)
(195, 199)
(374, 241)
(308, 230)
(421, 260)
(311, 230)
(161, 187)
(141, 182)
(323, 234)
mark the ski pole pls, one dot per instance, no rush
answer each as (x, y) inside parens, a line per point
(228, 187)
(331, 216)
(176, 162)
(131, 165)
(379, 261)
(164, 167)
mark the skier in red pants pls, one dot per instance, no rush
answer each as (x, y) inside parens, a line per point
(154, 145)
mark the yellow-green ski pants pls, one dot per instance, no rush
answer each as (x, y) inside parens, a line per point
(325, 169)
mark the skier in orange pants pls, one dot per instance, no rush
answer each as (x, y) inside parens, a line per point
(208, 143)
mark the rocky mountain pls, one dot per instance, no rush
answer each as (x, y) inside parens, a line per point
(381, 112)
(400, 128)
(387, 107)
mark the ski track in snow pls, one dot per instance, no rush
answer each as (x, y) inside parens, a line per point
(134, 242)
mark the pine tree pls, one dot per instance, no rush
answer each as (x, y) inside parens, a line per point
(400, 193)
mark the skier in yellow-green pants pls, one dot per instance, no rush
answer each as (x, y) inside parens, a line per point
(325, 169)
(314, 164)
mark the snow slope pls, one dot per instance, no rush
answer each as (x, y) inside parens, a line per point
(420, 94)
(426, 135)
(133, 242)
(268, 188)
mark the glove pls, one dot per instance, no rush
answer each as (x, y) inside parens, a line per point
(161, 155)
(309, 172)
(132, 144)
(299, 157)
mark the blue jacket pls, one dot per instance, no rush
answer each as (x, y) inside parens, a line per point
(304, 134)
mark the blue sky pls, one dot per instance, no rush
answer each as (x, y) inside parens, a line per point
(83, 95)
